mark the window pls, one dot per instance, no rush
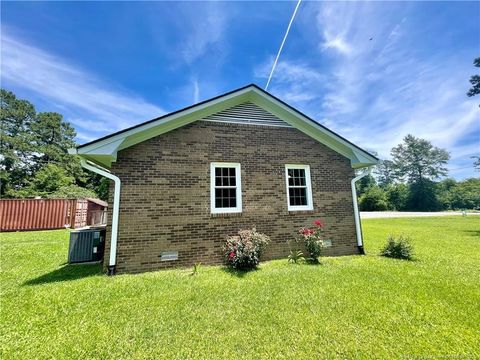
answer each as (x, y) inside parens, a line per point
(225, 188)
(299, 187)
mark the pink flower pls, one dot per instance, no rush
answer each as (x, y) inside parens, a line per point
(306, 231)
(231, 255)
(318, 223)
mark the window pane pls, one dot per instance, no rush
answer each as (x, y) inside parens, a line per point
(296, 177)
(218, 171)
(290, 177)
(231, 193)
(301, 177)
(225, 197)
(298, 196)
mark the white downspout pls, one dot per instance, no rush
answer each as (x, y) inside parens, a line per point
(115, 213)
(358, 226)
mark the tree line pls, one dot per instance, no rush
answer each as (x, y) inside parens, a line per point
(34, 161)
(411, 181)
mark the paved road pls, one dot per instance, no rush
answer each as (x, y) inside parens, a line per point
(394, 214)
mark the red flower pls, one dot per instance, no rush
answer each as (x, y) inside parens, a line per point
(318, 223)
(231, 255)
(306, 232)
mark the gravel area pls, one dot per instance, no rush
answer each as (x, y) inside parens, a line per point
(394, 214)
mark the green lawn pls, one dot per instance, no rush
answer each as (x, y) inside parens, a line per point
(349, 307)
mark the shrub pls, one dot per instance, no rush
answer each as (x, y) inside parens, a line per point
(397, 196)
(398, 247)
(374, 199)
(243, 250)
(296, 256)
(313, 239)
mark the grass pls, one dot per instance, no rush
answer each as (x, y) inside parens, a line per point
(348, 307)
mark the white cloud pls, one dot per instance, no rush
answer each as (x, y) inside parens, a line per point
(196, 91)
(375, 85)
(205, 30)
(338, 43)
(294, 82)
(87, 102)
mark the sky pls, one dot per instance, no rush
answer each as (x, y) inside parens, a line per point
(371, 71)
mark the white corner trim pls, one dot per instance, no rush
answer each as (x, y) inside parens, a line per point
(308, 183)
(238, 187)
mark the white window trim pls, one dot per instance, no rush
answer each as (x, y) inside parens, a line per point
(308, 184)
(238, 180)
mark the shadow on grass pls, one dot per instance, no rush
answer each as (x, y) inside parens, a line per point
(314, 262)
(236, 272)
(67, 273)
(472, 232)
(413, 259)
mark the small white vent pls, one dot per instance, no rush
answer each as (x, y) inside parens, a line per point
(327, 242)
(169, 255)
(247, 113)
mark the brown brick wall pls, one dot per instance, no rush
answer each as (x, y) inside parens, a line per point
(165, 195)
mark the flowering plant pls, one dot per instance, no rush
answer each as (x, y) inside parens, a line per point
(313, 239)
(243, 250)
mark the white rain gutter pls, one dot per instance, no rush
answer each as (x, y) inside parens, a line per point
(116, 209)
(356, 214)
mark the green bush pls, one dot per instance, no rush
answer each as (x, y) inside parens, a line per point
(398, 247)
(397, 196)
(466, 194)
(373, 199)
(243, 251)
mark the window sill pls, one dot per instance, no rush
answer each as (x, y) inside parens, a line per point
(301, 212)
(224, 215)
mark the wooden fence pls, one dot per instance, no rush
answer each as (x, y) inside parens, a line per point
(43, 214)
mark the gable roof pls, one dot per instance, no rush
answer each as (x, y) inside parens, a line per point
(104, 151)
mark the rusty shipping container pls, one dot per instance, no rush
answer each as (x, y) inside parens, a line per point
(44, 214)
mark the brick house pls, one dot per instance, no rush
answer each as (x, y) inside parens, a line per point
(187, 180)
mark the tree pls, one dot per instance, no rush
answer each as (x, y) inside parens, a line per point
(16, 117)
(53, 138)
(47, 180)
(72, 191)
(385, 172)
(397, 196)
(374, 199)
(364, 183)
(466, 194)
(444, 190)
(417, 160)
(475, 81)
(29, 142)
(476, 163)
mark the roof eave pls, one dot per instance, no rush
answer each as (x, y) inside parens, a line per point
(104, 151)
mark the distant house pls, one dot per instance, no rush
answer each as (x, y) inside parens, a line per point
(187, 180)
